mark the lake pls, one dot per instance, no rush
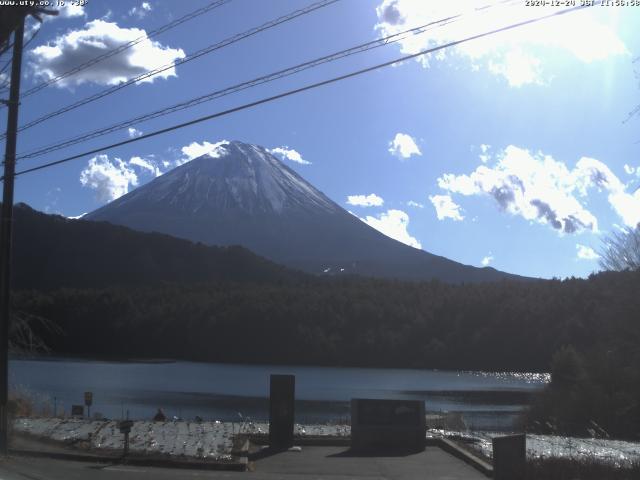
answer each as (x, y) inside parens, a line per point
(227, 391)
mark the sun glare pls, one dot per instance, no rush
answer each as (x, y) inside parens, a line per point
(518, 55)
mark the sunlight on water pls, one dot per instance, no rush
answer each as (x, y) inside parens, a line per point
(526, 377)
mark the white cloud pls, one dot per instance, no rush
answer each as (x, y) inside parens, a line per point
(518, 68)
(403, 146)
(393, 224)
(134, 132)
(537, 188)
(97, 37)
(286, 153)
(146, 164)
(586, 253)
(141, 11)
(517, 55)
(77, 217)
(446, 207)
(69, 10)
(65, 12)
(109, 178)
(627, 206)
(629, 170)
(592, 173)
(542, 189)
(487, 260)
(195, 150)
(371, 200)
(484, 156)
(411, 203)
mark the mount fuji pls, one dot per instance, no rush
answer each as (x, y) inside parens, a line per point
(240, 194)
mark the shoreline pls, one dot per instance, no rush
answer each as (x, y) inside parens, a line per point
(151, 361)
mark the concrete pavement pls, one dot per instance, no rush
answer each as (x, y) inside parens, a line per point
(334, 463)
(338, 463)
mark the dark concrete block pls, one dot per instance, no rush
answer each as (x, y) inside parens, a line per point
(509, 457)
(387, 425)
(281, 410)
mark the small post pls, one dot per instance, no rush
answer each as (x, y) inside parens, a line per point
(125, 428)
(126, 443)
(88, 401)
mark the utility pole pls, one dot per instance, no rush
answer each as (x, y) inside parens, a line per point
(6, 231)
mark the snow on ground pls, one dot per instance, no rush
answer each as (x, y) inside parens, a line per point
(615, 452)
(204, 440)
(213, 440)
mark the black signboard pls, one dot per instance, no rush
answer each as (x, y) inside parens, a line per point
(77, 410)
(385, 412)
(387, 425)
(125, 426)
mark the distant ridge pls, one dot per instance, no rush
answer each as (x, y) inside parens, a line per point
(51, 251)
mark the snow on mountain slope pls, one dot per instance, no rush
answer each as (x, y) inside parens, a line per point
(234, 176)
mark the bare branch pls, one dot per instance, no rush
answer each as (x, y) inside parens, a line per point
(621, 250)
(23, 339)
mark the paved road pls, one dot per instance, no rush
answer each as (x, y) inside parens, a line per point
(312, 463)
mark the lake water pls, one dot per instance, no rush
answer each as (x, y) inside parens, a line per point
(227, 391)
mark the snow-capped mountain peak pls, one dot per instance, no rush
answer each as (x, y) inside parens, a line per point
(240, 194)
(233, 176)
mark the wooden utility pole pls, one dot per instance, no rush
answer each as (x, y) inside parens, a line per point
(6, 224)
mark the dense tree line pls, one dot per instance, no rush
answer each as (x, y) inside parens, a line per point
(349, 321)
(595, 393)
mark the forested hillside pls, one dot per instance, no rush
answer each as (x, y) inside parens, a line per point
(349, 321)
(51, 251)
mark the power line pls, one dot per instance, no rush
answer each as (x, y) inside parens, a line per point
(302, 89)
(244, 85)
(122, 48)
(6, 48)
(32, 37)
(6, 65)
(204, 51)
(234, 89)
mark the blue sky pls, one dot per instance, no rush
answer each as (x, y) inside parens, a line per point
(511, 151)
